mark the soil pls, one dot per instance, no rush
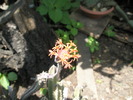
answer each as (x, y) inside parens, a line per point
(113, 74)
(113, 68)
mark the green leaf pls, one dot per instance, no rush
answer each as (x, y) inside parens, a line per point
(48, 3)
(4, 81)
(109, 31)
(60, 3)
(55, 15)
(12, 76)
(68, 26)
(92, 44)
(65, 19)
(42, 10)
(74, 31)
(59, 32)
(92, 49)
(67, 5)
(75, 4)
(66, 36)
(73, 68)
(43, 91)
(79, 25)
(97, 61)
(74, 23)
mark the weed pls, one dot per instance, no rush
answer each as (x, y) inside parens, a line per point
(5, 78)
(93, 44)
(110, 31)
(97, 61)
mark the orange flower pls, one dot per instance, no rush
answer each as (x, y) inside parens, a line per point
(64, 54)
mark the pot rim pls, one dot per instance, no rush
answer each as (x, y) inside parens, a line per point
(96, 12)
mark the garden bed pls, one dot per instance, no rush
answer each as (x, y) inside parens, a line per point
(25, 42)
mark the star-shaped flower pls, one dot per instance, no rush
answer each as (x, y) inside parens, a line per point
(64, 53)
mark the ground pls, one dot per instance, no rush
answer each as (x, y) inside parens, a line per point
(112, 70)
(113, 74)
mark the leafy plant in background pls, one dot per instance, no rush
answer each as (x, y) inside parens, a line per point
(93, 44)
(5, 78)
(57, 12)
(70, 32)
(108, 3)
(109, 31)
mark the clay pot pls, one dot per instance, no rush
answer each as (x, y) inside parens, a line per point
(95, 14)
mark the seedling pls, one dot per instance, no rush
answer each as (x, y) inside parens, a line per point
(73, 68)
(110, 31)
(97, 61)
(6, 78)
(93, 44)
(4, 82)
(43, 91)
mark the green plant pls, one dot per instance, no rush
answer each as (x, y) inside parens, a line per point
(93, 44)
(12, 76)
(97, 61)
(6, 78)
(73, 68)
(4, 82)
(57, 13)
(131, 62)
(43, 91)
(70, 31)
(108, 3)
(57, 10)
(109, 31)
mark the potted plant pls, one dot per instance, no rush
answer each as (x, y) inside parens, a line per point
(96, 8)
(87, 5)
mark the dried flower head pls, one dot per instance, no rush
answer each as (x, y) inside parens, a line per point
(64, 53)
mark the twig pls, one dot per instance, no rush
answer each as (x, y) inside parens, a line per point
(6, 15)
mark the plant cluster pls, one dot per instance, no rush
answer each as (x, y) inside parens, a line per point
(93, 44)
(108, 3)
(5, 79)
(97, 61)
(109, 31)
(57, 13)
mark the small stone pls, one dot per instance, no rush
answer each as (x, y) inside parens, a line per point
(107, 90)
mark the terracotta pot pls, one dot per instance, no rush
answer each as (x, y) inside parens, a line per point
(95, 14)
